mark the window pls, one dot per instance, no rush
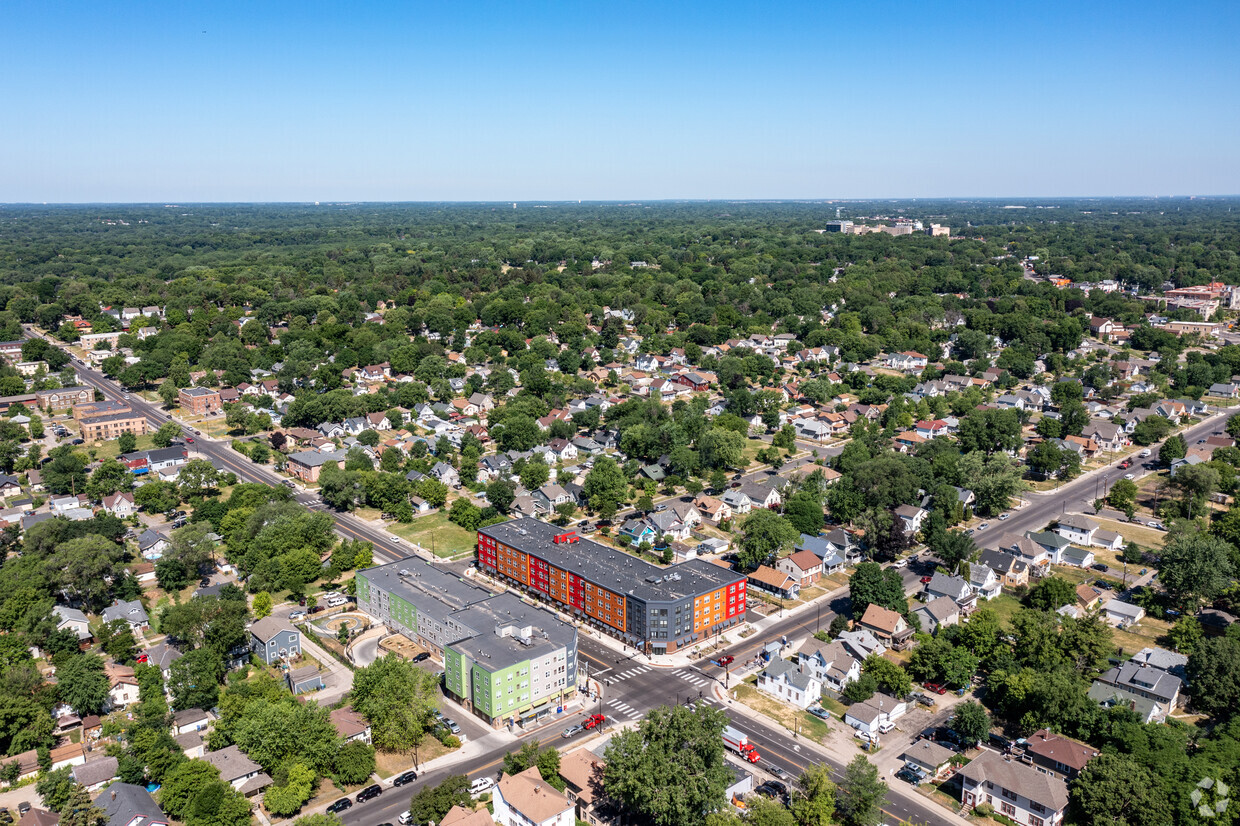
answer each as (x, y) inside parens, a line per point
(1007, 808)
(1035, 821)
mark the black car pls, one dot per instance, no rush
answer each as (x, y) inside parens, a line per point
(402, 779)
(421, 656)
(909, 776)
(369, 793)
(6, 816)
(340, 805)
(772, 788)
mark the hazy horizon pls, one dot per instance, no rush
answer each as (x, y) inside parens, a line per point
(491, 102)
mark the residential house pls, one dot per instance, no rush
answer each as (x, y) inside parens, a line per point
(272, 640)
(582, 772)
(776, 582)
(525, 799)
(238, 770)
(939, 612)
(737, 502)
(130, 611)
(929, 757)
(125, 804)
(120, 505)
(550, 496)
(1020, 793)
(122, 685)
(912, 517)
(712, 509)
(350, 725)
(1011, 570)
(888, 626)
(74, 620)
(787, 681)
(95, 774)
(1132, 682)
(1109, 436)
(39, 817)
(162, 656)
(956, 588)
(984, 581)
(876, 714)
(1121, 614)
(830, 663)
(908, 361)
(152, 544)
(447, 474)
(562, 450)
(829, 558)
(462, 816)
(804, 566)
(1164, 660)
(191, 719)
(1077, 528)
(763, 494)
(1057, 755)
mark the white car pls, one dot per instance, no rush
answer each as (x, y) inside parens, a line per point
(1129, 476)
(1145, 454)
(481, 786)
(1003, 516)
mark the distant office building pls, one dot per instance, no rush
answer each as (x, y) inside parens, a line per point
(839, 226)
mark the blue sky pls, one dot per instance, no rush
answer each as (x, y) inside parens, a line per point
(272, 101)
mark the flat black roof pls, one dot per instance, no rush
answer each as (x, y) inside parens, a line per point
(611, 568)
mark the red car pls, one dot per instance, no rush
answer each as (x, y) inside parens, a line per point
(937, 688)
(189, 440)
(925, 580)
(726, 660)
(593, 720)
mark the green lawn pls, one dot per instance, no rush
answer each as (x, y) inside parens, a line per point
(110, 449)
(1004, 605)
(436, 533)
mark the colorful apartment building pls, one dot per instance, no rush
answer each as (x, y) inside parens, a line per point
(657, 610)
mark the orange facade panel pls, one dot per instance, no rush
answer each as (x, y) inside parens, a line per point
(710, 609)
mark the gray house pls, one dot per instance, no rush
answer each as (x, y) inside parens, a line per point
(125, 804)
(131, 612)
(272, 639)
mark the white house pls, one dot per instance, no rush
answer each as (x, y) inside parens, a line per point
(830, 663)
(787, 681)
(1077, 528)
(876, 715)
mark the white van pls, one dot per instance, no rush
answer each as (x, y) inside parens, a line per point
(406, 817)
(337, 601)
(481, 786)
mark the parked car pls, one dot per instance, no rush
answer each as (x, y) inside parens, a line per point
(451, 725)
(926, 700)
(1099, 566)
(340, 805)
(402, 779)
(937, 688)
(925, 580)
(1145, 453)
(481, 786)
(1004, 516)
(1129, 476)
(296, 615)
(983, 526)
(421, 656)
(819, 711)
(369, 793)
(572, 731)
(908, 775)
(406, 817)
(999, 741)
(593, 720)
(772, 788)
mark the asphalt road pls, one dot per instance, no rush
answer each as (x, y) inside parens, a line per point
(1078, 496)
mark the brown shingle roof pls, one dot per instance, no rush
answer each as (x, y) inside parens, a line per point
(348, 722)
(884, 619)
(532, 796)
(1051, 746)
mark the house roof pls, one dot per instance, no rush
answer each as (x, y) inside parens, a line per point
(1078, 522)
(884, 619)
(125, 804)
(941, 608)
(927, 753)
(95, 772)
(267, 627)
(232, 763)
(583, 771)
(1051, 746)
(39, 817)
(805, 560)
(460, 816)
(992, 767)
(532, 796)
(790, 672)
(766, 575)
(190, 715)
(348, 722)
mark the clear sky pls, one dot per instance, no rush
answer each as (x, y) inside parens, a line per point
(407, 101)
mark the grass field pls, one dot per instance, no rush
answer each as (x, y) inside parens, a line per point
(110, 449)
(436, 533)
(786, 715)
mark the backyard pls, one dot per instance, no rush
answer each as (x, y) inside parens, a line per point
(436, 534)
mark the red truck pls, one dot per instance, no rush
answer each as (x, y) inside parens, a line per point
(735, 741)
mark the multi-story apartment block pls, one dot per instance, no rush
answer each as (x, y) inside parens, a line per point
(507, 661)
(657, 610)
